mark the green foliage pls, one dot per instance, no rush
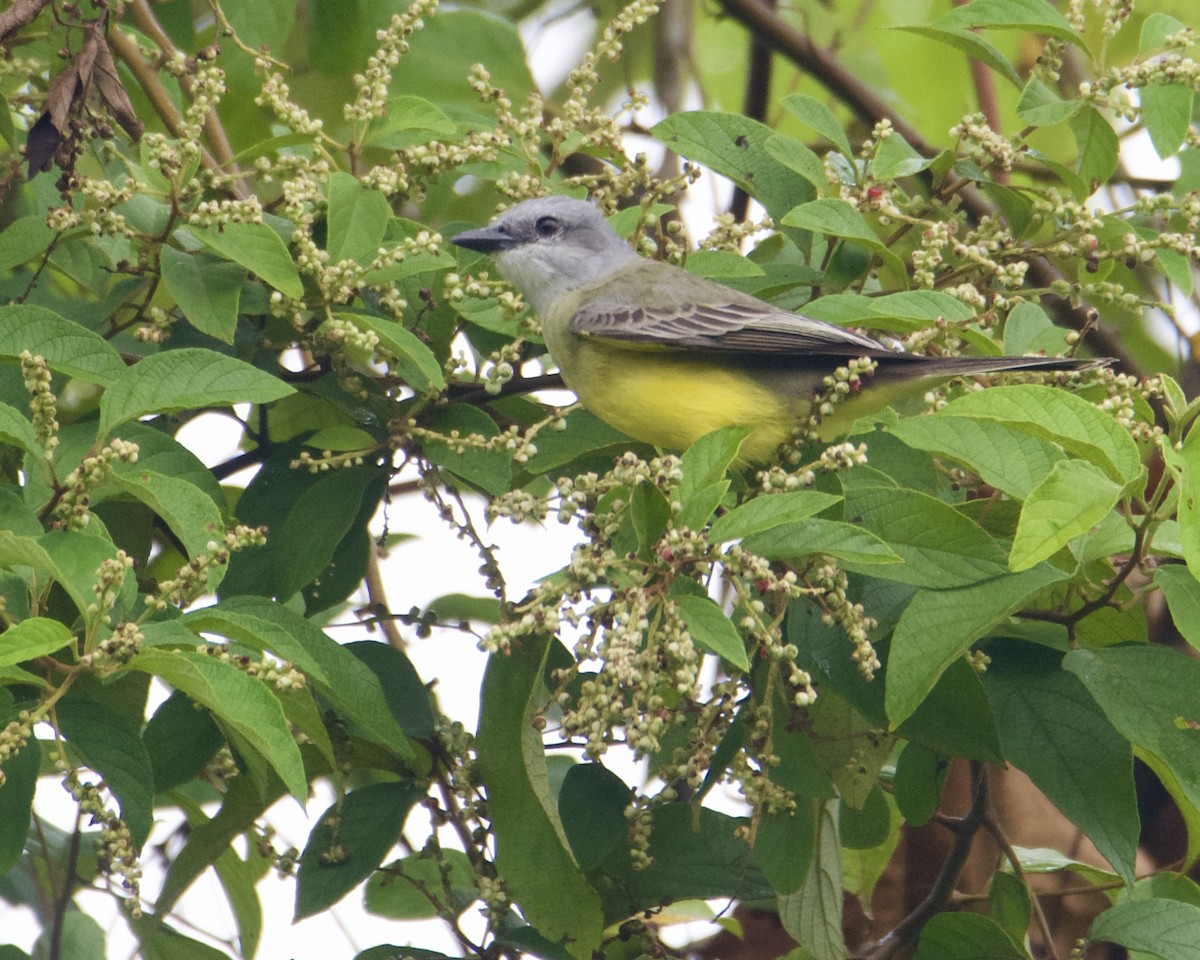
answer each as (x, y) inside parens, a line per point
(965, 582)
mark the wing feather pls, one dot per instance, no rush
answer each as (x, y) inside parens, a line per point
(748, 326)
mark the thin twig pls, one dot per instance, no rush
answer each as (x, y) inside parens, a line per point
(63, 900)
(993, 827)
(377, 597)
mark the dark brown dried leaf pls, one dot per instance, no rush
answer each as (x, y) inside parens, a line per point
(116, 100)
(20, 13)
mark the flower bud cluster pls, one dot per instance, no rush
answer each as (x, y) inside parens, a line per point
(157, 326)
(976, 139)
(207, 88)
(117, 857)
(851, 617)
(280, 674)
(640, 816)
(72, 510)
(192, 579)
(275, 95)
(15, 737)
(327, 460)
(841, 385)
(110, 577)
(373, 85)
(43, 404)
(124, 644)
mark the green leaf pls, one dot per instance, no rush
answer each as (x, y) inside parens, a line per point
(857, 548)
(16, 801)
(1167, 113)
(820, 118)
(1184, 463)
(337, 673)
(262, 23)
(707, 460)
(938, 626)
(179, 740)
(1156, 28)
(956, 936)
(837, 218)
(24, 238)
(1040, 106)
(532, 852)
(31, 639)
(1149, 695)
(159, 941)
(813, 915)
(1052, 729)
(592, 805)
(79, 938)
(1037, 16)
(1073, 498)
(74, 560)
(398, 891)
(413, 360)
(350, 840)
(307, 516)
(972, 44)
(1182, 594)
(940, 547)
(16, 429)
(490, 470)
(696, 855)
(722, 263)
(244, 704)
(862, 869)
(649, 513)
(190, 512)
(735, 146)
(712, 630)
(1045, 861)
(798, 158)
(1009, 905)
(356, 221)
(1097, 144)
(783, 849)
(896, 158)
(407, 119)
(1058, 416)
(110, 745)
(766, 512)
(207, 289)
(920, 774)
(209, 840)
(955, 718)
(182, 380)
(68, 347)
(259, 249)
(1165, 928)
(1005, 458)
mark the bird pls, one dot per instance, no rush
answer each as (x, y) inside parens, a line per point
(667, 357)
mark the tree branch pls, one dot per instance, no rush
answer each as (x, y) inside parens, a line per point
(906, 932)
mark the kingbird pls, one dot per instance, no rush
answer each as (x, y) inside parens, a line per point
(666, 356)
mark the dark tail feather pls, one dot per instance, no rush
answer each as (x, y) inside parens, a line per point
(905, 365)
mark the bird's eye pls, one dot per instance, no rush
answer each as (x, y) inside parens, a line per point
(546, 226)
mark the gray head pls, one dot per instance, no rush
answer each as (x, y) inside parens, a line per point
(550, 246)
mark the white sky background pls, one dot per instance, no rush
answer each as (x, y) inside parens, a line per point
(417, 572)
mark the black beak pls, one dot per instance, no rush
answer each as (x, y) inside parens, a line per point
(484, 240)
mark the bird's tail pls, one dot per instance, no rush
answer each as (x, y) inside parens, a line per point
(906, 365)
